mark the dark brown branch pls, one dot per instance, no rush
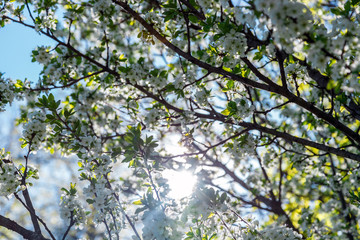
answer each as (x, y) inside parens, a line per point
(302, 103)
(322, 81)
(270, 86)
(26, 195)
(26, 234)
(269, 110)
(193, 10)
(72, 82)
(232, 194)
(348, 216)
(274, 205)
(187, 28)
(293, 98)
(187, 56)
(38, 218)
(72, 222)
(280, 180)
(302, 141)
(266, 177)
(260, 128)
(280, 58)
(31, 211)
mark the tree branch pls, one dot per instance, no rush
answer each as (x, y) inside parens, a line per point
(26, 234)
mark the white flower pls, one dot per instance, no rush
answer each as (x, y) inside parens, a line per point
(179, 82)
(234, 43)
(43, 55)
(34, 130)
(201, 96)
(70, 205)
(159, 226)
(152, 116)
(7, 93)
(205, 4)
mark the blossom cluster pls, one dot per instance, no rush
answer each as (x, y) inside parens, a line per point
(157, 225)
(136, 73)
(102, 6)
(7, 93)
(10, 178)
(203, 203)
(242, 147)
(272, 232)
(202, 96)
(181, 79)
(244, 108)
(101, 198)
(71, 208)
(34, 131)
(290, 19)
(46, 21)
(205, 4)
(42, 55)
(6, 9)
(239, 50)
(234, 43)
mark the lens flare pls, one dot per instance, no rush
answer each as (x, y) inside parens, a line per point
(181, 183)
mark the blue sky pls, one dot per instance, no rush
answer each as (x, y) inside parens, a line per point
(16, 44)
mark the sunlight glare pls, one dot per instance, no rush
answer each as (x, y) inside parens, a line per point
(181, 184)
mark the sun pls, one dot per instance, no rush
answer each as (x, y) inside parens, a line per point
(181, 183)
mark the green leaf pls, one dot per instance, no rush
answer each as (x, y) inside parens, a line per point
(19, 84)
(58, 50)
(355, 2)
(139, 210)
(337, 11)
(73, 191)
(50, 116)
(83, 176)
(193, 18)
(225, 112)
(170, 15)
(223, 197)
(51, 98)
(58, 103)
(245, 72)
(65, 190)
(198, 232)
(138, 202)
(217, 36)
(347, 7)
(212, 236)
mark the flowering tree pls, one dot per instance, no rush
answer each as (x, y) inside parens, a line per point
(261, 97)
